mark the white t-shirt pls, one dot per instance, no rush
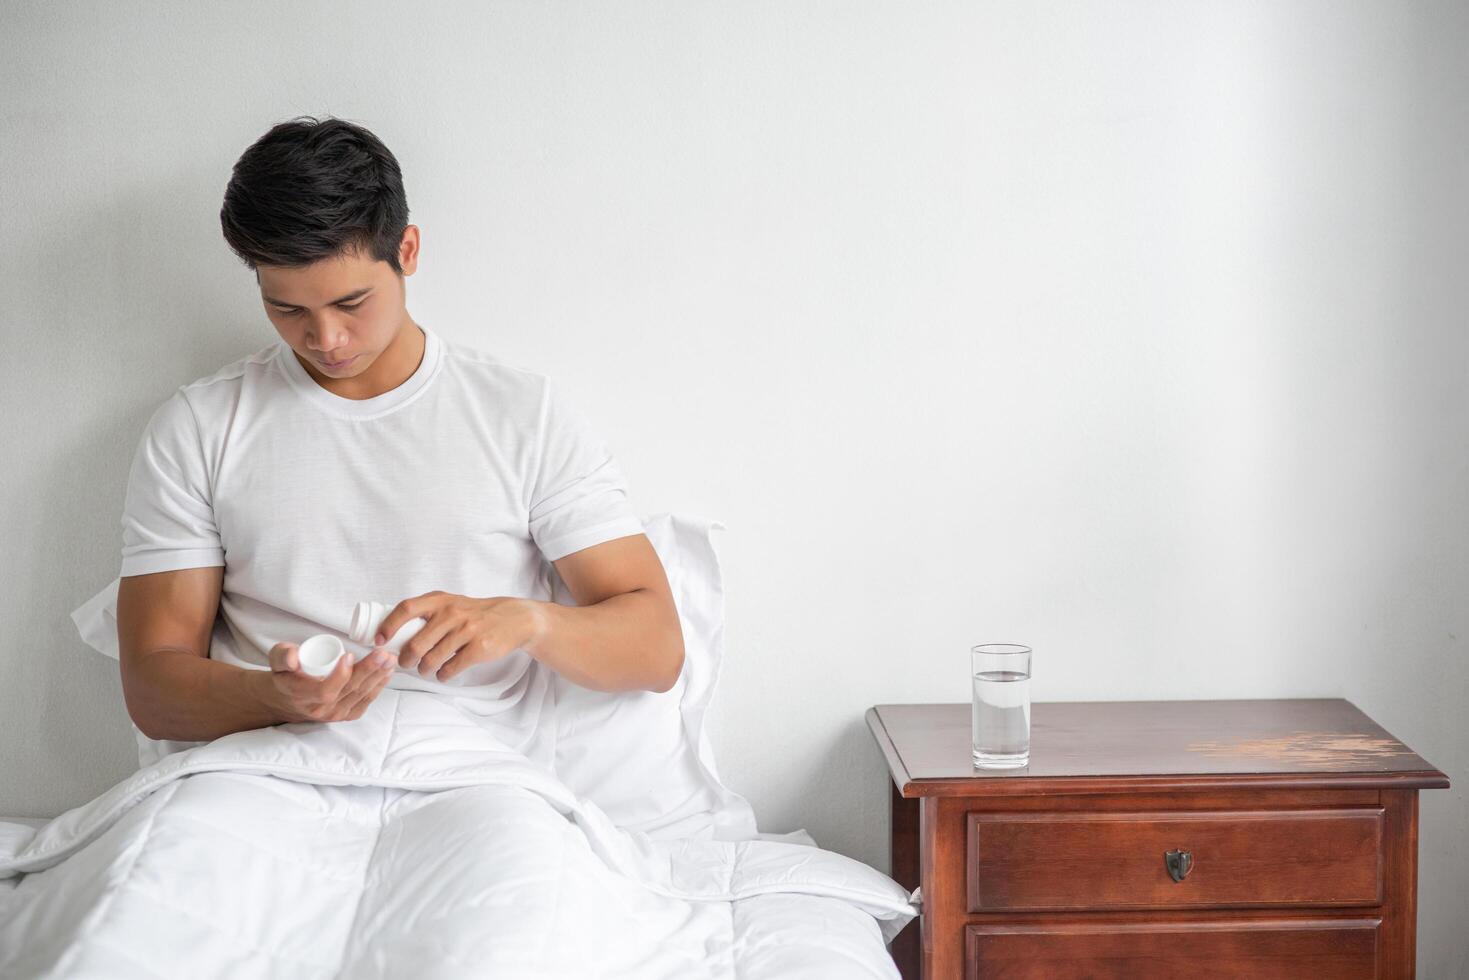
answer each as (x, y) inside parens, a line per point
(469, 477)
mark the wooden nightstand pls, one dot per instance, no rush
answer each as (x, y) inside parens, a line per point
(1158, 839)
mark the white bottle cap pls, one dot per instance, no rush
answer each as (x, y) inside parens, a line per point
(319, 654)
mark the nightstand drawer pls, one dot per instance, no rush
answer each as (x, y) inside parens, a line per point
(1343, 949)
(1174, 859)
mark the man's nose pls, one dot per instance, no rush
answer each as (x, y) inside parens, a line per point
(323, 336)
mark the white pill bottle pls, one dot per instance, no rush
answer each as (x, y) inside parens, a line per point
(368, 616)
(319, 654)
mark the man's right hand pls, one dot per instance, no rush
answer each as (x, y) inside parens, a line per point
(342, 695)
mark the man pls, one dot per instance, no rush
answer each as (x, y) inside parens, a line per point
(367, 457)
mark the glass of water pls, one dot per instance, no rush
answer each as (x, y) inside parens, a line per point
(1001, 710)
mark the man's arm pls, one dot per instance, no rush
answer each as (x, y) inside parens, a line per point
(171, 687)
(624, 633)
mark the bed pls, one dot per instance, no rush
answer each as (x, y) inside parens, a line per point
(406, 844)
(415, 841)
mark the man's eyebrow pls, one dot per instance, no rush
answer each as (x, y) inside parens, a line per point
(340, 299)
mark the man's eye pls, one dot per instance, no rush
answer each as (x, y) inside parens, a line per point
(340, 306)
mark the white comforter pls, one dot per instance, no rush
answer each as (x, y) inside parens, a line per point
(408, 843)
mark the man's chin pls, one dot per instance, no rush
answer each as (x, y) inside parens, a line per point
(356, 365)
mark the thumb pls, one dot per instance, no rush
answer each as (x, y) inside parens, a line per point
(283, 656)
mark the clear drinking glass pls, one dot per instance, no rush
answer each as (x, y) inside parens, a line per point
(1001, 711)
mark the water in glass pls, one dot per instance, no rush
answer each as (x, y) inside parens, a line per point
(1001, 719)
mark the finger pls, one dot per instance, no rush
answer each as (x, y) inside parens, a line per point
(419, 605)
(328, 687)
(443, 651)
(464, 658)
(364, 672)
(352, 689)
(438, 624)
(369, 691)
(305, 692)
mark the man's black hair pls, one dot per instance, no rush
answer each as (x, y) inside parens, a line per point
(311, 189)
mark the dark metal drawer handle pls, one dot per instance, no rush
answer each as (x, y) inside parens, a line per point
(1179, 864)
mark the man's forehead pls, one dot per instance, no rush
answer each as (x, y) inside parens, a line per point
(327, 281)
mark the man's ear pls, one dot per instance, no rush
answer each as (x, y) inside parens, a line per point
(408, 250)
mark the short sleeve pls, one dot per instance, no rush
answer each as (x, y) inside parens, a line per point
(167, 516)
(578, 495)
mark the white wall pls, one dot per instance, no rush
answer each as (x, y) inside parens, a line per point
(1132, 331)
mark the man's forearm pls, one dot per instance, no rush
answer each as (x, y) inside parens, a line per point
(174, 694)
(631, 641)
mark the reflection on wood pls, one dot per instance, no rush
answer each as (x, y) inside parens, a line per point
(1325, 749)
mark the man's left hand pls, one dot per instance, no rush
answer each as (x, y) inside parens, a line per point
(461, 631)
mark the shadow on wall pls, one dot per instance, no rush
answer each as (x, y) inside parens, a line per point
(108, 374)
(78, 722)
(851, 780)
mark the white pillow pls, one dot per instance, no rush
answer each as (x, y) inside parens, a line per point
(643, 757)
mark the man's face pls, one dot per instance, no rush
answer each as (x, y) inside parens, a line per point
(347, 308)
